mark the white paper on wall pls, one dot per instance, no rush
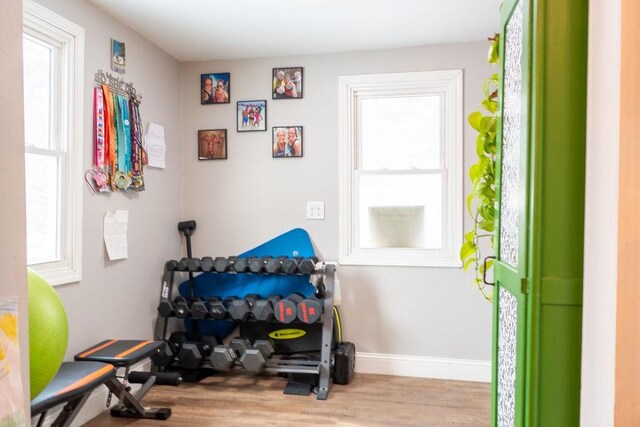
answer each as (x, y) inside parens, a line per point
(115, 234)
(155, 145)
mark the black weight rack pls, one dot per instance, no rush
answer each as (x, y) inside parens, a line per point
(277, 363)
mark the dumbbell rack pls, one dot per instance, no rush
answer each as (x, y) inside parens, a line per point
(276, 364)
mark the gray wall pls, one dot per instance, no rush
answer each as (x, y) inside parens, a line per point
(118, 299)
(13, 252)
(251, 197)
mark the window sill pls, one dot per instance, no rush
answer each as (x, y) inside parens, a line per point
(401, 260)
(58, 273)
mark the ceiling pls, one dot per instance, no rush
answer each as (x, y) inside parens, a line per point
(200, 30)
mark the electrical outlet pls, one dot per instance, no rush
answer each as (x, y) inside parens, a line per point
(315, 210)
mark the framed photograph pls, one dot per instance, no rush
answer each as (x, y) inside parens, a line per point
(212, 144)
(252, 116)
(287, 141)
(287, 83)
(215, 88)
(117, 56)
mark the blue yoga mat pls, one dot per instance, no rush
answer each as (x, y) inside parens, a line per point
(293, 243)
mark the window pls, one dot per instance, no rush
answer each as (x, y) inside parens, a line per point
(53, 71)
(401, 168)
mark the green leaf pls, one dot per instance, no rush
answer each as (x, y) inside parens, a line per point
(469, 200)
(474, 120)
(486, 225)
(491, 106)
(468, 263)
(469, 236)
(467, 249)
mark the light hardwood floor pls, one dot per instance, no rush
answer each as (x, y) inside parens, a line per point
(370, 400)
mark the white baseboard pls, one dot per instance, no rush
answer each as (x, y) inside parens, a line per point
(96, 403)
(424, 367)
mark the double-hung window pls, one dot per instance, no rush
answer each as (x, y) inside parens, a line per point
(401, 168)
(53, 74)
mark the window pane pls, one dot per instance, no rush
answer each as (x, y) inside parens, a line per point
(400, 133)
(401, 211)
(43, 208)
(37, 93)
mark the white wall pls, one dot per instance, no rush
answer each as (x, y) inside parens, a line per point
(119, 299)
(251, 197)
(13, 252)
(601, 216)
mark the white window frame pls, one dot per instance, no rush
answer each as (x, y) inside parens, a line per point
(351, 89)
(68, 118)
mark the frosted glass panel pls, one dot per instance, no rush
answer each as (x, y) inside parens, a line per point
(507, 342)
(400, 133)
(511, 136)
(400, 211)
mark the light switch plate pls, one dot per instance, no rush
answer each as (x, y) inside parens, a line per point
(315, 210)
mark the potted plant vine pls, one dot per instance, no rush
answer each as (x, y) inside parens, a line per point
(481, 202)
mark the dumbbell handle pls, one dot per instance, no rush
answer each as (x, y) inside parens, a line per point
(161, 378)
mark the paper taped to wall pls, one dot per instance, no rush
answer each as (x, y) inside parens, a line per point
(155, 145)
(115, 234)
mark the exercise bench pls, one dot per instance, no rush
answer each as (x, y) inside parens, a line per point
(123, 354)
(73, 384)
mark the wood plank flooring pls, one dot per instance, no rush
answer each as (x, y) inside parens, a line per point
(237, 399)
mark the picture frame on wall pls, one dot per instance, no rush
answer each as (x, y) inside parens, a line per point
(215, 88)
(251, 116)
(287, 83)
(287, 141)
(212, 144)
(118, 56)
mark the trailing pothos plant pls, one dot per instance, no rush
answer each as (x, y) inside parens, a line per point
(481, 202)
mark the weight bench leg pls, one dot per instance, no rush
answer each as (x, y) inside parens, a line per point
(130, 407)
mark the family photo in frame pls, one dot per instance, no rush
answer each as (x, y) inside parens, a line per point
(287, 141)
(252, 116)
(215, 88)
(212, 144)
(287, 83)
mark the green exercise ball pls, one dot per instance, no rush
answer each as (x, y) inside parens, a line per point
(48, 332)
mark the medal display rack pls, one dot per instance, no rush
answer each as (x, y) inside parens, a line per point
(118, 85)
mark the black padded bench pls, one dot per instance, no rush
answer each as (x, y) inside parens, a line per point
(73, 384)
(123, 354)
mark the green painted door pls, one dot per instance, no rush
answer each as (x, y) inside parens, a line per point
(540, 221)
(510, 296)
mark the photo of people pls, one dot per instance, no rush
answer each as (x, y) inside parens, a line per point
(215, 88)
(212, 144)
(117, 56)
(252, 116)
(287, 83)
(287, 141)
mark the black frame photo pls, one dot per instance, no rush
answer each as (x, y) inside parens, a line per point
(287, 83)
(212, 144)
(215, 88)
(287, 141)
(251, 116)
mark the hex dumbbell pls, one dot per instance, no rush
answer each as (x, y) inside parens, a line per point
(167, 353)
(189, 264)
(216, 307)
(193, 353)
(199, 309)
(181, 307)
(307, 265)
(240, 309)
(223, 358)
(222, 265)
(309, 310)
(286, 309)
(241, 265)
(258, 265)
(207, 263)
(263, 308)
(290, 265)
(253, 359)
(274, 265)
